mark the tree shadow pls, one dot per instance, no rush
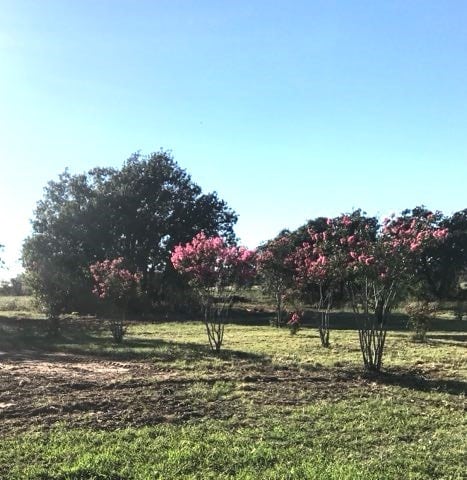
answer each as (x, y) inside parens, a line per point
(32, 333)
(255, 317)
(451, 340)
(169, 351)
(26, 338)
(396, 322)
(416, 381)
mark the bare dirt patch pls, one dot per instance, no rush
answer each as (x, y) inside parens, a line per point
(39, 389)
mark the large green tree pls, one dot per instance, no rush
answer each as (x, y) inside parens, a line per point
(139, 212)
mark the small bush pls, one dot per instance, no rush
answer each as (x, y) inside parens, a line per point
(295, 322)
(420, 313)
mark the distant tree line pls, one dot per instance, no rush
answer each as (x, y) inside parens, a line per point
(16, 286)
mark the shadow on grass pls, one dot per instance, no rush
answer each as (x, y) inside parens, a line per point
(31, 333)
(452, 340)
(342, 320)
(160, 350)
(26, 338)
(253, 317)
(396, 322)
(416, 381)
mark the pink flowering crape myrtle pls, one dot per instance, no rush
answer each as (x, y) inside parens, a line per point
(374, 263)
(294, 322)
(276, 270)
(114, 284)
(378, 267)
(215, 271)
(320, 264)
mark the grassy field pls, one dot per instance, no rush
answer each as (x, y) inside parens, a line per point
(21, 304)
(270, 406)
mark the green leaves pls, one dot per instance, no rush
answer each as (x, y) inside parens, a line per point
(139, 212)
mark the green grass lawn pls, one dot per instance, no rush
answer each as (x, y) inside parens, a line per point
(18, 304)
(270, 406)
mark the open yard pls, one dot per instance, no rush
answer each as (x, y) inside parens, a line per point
(270, 406)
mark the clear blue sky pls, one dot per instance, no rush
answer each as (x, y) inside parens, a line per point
(288, 109)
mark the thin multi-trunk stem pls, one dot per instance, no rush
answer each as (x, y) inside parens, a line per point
(214, 323)
(325, 303)
(372, 336)
(216, 308)
(118, 328)
(376, 305)
(279, 308)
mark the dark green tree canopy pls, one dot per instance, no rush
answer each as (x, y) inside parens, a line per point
(442, 265)
(139, 212)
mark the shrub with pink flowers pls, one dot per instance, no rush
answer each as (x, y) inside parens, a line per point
(374, 263)
(114, 284)
(377, 269)
(321, 262)
(275, 271)
(295, 322)
(215, 271)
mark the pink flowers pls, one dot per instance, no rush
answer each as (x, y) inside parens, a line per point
(352, 244)
(441, 233)
(295, 318)
(111, 281)
(345, 220)
(367, 260)
(294, 322)
(208, 261)
(310, 263)
(411, 234)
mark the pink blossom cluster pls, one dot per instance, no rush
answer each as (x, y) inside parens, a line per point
(277, 248)
(326, 254)
(363, 258)
(208, 261)
(311, 263)
(345, 220)
(274, 255)
(239, 264)
(348, 247)
(111, 280)
(411, 233)
(295, 319)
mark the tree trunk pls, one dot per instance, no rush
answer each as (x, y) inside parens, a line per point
(214, 324)
(372, 336)
(279, 310)
(117, 326)
(376, 301)
(325, 303)
(372, 342)
(324, 329)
